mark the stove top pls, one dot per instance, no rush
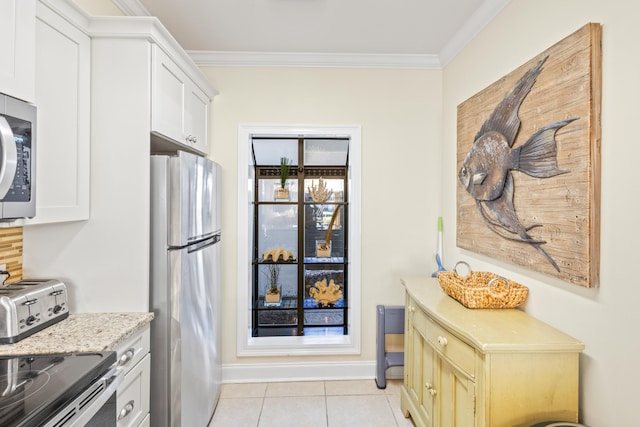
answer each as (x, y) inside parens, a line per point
(33, 388)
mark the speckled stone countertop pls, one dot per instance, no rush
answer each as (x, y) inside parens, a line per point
(81, 332)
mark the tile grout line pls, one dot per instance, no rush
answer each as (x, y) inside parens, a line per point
(393, 414)
(264, 395)
(326, 406)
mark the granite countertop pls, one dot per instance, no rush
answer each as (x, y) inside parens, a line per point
(81, 332)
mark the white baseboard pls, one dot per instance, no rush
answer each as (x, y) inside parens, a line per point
(298, 371)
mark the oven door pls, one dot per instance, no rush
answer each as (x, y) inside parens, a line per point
(94, 407)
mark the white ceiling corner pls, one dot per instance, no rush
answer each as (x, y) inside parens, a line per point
(229, 43)
(131, 7)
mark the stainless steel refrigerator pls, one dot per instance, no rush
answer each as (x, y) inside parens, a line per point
(184, 290)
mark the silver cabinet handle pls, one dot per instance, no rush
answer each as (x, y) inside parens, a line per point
(9, 157)
(128, 408)
(126, 357)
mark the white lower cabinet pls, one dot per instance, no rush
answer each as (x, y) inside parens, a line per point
(498, 368)
(132, 396)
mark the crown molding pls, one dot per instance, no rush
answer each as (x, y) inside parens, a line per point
(299, 59)
(69, 11)
(149, 28)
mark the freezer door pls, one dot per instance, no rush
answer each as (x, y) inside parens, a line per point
(194, 199)
(196, 373)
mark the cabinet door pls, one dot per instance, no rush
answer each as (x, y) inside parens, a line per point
(456, 396)
(180, 109)
(429, 393)
(168, 97)
(146, 422)
(17, 60)
(63, 55)
(419, 375)
(132, 397)
(413, 369)
(197, 118)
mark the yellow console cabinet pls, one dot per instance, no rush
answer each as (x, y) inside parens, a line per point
(476, 368)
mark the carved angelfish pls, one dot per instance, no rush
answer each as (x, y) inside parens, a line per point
(486, 170)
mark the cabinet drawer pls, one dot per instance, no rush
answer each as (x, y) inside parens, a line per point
(452, 348)
(132, 398)
(133, 350)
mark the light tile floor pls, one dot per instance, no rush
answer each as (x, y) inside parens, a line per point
(310, 404)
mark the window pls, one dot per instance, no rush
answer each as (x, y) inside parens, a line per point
(317, 305)
(300, 237)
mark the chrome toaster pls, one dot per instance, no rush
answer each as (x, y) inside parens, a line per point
(29, 306)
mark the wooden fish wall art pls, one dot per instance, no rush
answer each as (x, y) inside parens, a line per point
(528, 163)
(486, 171)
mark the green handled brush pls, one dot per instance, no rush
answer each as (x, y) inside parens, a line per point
(439, 253)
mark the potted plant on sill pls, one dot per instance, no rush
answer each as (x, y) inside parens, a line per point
(323, 247)
(272, 295)
(282, 192)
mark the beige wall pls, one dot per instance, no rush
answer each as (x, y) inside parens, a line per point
(405, 119)
(606, 318)
(399, 111)
(99, 7)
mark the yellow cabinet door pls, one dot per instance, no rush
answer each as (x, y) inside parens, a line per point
(429, 386)
(456, 397)
(413, 364)
(418, 377)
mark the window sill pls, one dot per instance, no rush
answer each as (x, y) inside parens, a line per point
(300, 346)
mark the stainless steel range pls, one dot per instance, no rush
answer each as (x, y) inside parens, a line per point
(59, 390)
(29, 306)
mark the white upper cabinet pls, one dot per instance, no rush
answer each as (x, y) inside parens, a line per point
(180, 109)
(63, 98)
(197, 117)
(17, 42)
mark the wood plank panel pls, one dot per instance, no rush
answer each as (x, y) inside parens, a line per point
(568, 205)
(11, 252)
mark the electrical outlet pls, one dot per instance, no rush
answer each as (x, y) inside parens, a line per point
(4, 277)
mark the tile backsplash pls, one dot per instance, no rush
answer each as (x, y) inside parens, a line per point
(11, 253)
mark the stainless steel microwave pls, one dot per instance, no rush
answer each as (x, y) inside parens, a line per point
(17, 159)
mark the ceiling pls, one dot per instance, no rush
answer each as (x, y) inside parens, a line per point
(428, 28)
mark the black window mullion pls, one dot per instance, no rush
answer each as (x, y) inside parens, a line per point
(301, 236)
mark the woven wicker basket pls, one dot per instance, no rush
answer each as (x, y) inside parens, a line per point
(481, 289)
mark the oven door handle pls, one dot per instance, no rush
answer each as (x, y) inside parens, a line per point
(9, 157)
(111, 381)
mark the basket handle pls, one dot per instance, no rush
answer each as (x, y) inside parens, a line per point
(455, 268)
(507, 282)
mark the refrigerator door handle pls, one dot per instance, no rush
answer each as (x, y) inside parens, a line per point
(203, 244)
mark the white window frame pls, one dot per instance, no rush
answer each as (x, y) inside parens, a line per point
(303, 345)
